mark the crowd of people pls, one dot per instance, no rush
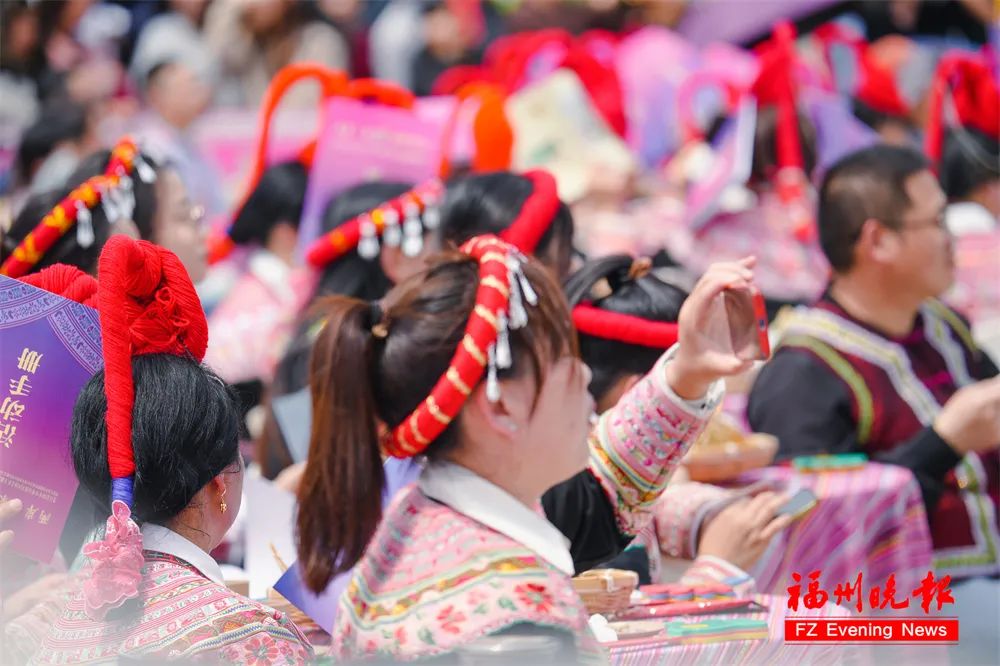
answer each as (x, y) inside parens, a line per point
(503, 363)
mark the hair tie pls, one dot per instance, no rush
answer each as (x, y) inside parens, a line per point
(485, 348)
(640, 268)
(376, 320)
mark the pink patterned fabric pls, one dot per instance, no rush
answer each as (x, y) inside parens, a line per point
(773, 651)
(251, 327)
(115, 564)
(638, 443)
(870, 520)
(181, 615)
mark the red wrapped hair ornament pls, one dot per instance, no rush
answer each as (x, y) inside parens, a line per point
(401, 222)
(975, 97)
(112, 189)
(485, 348)
(147, 305)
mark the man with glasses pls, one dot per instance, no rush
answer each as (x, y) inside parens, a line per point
(879, 366)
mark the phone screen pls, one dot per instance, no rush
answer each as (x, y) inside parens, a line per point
(799, 505)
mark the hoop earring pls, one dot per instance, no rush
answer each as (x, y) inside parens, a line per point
(222, 504)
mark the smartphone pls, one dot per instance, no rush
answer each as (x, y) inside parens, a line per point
(738, 324)
(836, 462)
(799, 504)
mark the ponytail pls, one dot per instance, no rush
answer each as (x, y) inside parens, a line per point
(345, 471)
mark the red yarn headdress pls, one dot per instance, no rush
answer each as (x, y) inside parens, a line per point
(332, 82)
(485, 347)
(876, 85)
(113, 189)
(66, 281)
(147, 305)
(776, 85)
(625, 328)
(401, 222)
(975, 94)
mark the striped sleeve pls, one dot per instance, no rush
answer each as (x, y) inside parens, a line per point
(638, 443)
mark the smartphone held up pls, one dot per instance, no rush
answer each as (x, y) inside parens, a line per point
(738, 324)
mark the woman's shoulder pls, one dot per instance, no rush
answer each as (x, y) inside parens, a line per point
(434, 579)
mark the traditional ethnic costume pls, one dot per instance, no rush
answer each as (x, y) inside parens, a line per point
(837, 385)
(178, 604)
(457, 558)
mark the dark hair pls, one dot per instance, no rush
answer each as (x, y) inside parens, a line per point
(765, 144)
(360, 381)
(350, 275)
(487, 203)
(276, 199)
(184, 432)
(971, 159)
(153, 73)
(867, 184)
(877, 119)
(56, 124)
(67, 250)
(608, 284)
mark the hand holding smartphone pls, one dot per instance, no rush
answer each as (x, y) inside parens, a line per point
(739, 324)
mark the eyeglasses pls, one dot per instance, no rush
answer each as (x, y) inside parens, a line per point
(940, 222)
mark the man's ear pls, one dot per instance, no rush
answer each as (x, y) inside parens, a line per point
(506, 416)
(877, 242)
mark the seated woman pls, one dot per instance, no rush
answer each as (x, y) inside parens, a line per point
(121, 191)
(473, 364)
(154, 441)
(625, 319)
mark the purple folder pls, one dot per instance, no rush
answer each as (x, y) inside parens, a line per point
(322, 608)
(49, 347)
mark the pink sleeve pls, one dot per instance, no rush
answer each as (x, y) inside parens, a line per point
(679, 513)
(707, 569)
(638, 443)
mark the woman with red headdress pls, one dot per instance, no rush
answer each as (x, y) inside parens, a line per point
(473, 364)
(154, 441)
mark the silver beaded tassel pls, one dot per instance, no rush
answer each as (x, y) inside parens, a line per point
(492, 382)
(84, 226)
(368, 243)
(392, 236)
(413, 230)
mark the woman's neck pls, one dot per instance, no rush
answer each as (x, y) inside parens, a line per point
(502, 474)
(198, 537)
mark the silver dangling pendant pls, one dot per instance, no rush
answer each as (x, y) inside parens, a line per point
(84, 226)
(432, 217)
(504, 359)
(368, 243)
(413, 232)
(392, 236)
(515, 305)
(110, 205)
(126, 198)
(516, 265)
(145, 172)
(492, 383)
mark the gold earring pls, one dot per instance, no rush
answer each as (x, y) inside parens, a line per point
(222, 504)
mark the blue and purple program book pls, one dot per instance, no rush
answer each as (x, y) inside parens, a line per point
(49, 348)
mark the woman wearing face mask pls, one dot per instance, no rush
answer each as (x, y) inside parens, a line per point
(473, 364)
(121, 191)
(154, 441)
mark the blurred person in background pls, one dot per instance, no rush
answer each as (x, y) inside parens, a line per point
(175, 36)
(447, 43)
(253, 40)
(21, 64)
(54, 145)
(176, 96)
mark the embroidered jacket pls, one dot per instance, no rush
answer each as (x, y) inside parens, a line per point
(439, 575)
(836, 385)
(182, 616)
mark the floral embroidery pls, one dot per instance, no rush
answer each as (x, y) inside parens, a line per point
(450, 619)
(534, 596)
(259, 651)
